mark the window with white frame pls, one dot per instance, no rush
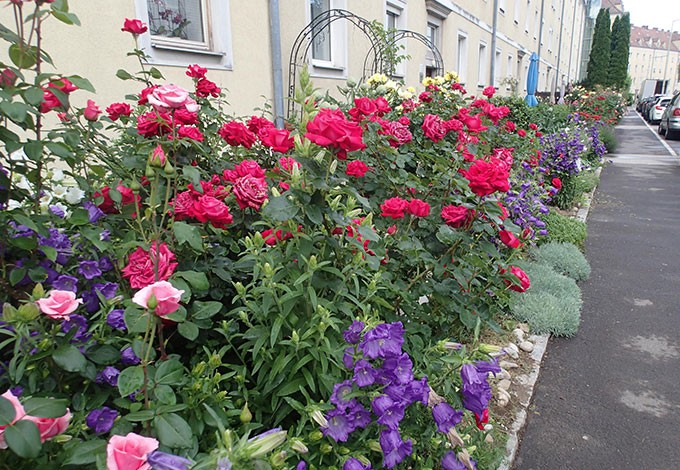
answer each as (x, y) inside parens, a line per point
(433, 32)
(395, 19)
(462, 57)
(481, 69)
(550, 39)
(329, 40)
(497, 68)
(527, 22)
(535, 24)
(518, 4)
(502, 6)
(178, 28)
(509, 71)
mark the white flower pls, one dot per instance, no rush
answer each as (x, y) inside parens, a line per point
(391, 85)
(405, 95)
(59, 191)
(12, 204)
(21, 182)
(46, 199)
(74, 195)
(18, 156)
(57, 175)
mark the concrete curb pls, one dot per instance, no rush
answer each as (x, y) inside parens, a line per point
(540, 346)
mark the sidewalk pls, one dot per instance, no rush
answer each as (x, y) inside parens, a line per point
(610, 397)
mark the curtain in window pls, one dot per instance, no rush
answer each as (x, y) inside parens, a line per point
(181, 19)
(321, 44)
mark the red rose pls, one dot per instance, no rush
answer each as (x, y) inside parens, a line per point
(362, 107)
(134, 26)
(189, 132)
(196, 71)
(144, 94)
(152, 124)
(509, 239)
(425, 97)
(533, 126)
(482, 420)
(522, 133)
(108, 206)
(457, 216)
(510, 126)
(91, 112)
(279, 140)
(394, 207)
(64, 85)
(246, 167)
(474, 124)
(418, 208)
(496, 113)
(236, 133)
(205, 88)
(50, 102)
(330, 128)
(433, 127)
(504, 211)
(183, 205)
(382, 106)
(256, 123)
(453, 124)
(357, 168)
(397, 133)
(251, 192)
(524, 282)
(184, 117)
(143, 265)
(7, 78)
(489, 91)
(557, 183)
(486, 178)
(287, 163)
(214, 211)
(116, 110)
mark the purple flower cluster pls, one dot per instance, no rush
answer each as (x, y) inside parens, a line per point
(561, 152)
(450, 462)
(376, 359)
(526, 201)
(60, 242)
(476, 388)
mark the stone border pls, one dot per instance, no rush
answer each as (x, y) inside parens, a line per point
(540, 346)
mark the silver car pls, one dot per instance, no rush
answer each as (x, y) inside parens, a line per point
(670, 119)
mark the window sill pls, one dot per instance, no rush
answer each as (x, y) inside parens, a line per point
(166, 47)
(327, 66)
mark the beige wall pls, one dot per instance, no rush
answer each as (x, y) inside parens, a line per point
(648, 63)
(97, 49)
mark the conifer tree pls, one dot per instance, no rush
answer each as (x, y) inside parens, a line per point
(598, 65)
(618, 64)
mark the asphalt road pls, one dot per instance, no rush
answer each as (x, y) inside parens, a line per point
(609, 398)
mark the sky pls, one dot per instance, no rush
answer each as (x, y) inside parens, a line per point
(659, 13)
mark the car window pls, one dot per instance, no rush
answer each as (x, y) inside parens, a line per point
(664, 102)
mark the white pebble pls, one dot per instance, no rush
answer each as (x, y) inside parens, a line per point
(508, 365)
(518, 334)
(504, 384)
(527, 346)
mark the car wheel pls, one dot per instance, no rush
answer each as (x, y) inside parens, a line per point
(670, 135)
(660, 130)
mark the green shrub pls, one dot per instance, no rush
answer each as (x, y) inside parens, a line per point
(586, 182)
(546, 313)
(564, 229)
(545, 279)
(566, 196)
(608, 138)
(564, 258)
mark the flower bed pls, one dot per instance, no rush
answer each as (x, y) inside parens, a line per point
(191, 280)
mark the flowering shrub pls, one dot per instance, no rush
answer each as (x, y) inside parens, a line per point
(602, 104)
(182, 277)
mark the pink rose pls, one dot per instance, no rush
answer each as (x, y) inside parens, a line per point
(394, 207)
(59, 305)
(50, 427)
(144, 265)
(19, 413)
(433, 127)
(418, 208)
(509, 239)
(166, 295)
(129, 452)
(134, 26)
(168, 97)
(157, 158)
(91, 111)
(196, 71)
(251, 192)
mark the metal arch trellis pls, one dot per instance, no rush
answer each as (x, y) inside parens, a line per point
(304, 40)
(400, 35)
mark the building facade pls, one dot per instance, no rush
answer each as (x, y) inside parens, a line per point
(652, 58)
(247, 45)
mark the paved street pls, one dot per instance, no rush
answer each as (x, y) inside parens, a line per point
(610, 397)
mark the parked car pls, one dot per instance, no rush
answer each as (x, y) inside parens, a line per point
(669, 125)
(657, 109)
(642, 102)
(648, 104)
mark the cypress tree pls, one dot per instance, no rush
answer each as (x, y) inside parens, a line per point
(598, 65)
(618, 66)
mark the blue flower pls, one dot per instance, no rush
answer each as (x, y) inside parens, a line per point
(101, 419)
(364, 374)
(353, 334)
(80, 323)
(115, 319)
(395, 450)
(89, 269)
(94, 213)
(108, 376)
(162, 461)
(129, 358)
(400, 367)
(383, 341)
(65, 282)
(340, 390)
(446, 417)
(355, 464)
(390, 412)
(476, 390)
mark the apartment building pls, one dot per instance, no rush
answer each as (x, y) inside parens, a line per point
(247, 44)
(652, 58)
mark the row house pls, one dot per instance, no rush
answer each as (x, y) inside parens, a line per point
(653, 55)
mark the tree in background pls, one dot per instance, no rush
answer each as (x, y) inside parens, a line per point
(620, 47)
(598, 65)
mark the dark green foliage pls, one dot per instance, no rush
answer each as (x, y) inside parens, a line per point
(548, 118)
(564, 229)
(598, 65)
(566, 196)
(608, 138)
(586, 182)
(620, 46)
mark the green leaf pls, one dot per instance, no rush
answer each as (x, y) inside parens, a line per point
(190, 234)
(23, 438)
(280, 209)
(59, 149)
(80, 217)
(33, 95)
(7, 411)
(291, 387)
(45, 407)
(123, 74)
(179, 315)
(198, 280)
(50, 252)
(173, 431)
(130, 380)
(23, 57)
(169, 372)
(188, 330)
(155, 73)
(136, 320)
(165, 395)
(194, 176)
(16, 111)
(82, 83)
(143, 415)
(16, 275)
(69, 358)
(104, 354)
(85, 452)
(204, 310)
(34, 150)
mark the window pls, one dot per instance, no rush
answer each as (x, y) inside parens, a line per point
(497, 68)
(502, 6)
(535, 24)
(433, 32)
(550, 39)
(509, 72)
(481, 71)
(329, 40)
(518, 4)
(395, 18)
(462, 57)
(179, 28)
(528, 19)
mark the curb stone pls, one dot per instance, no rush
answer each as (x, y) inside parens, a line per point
(540, 346)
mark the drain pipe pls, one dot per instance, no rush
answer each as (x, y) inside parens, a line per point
(277, 64)
(494, 34)
(540, 39)
(571, 48)
(559, 53)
